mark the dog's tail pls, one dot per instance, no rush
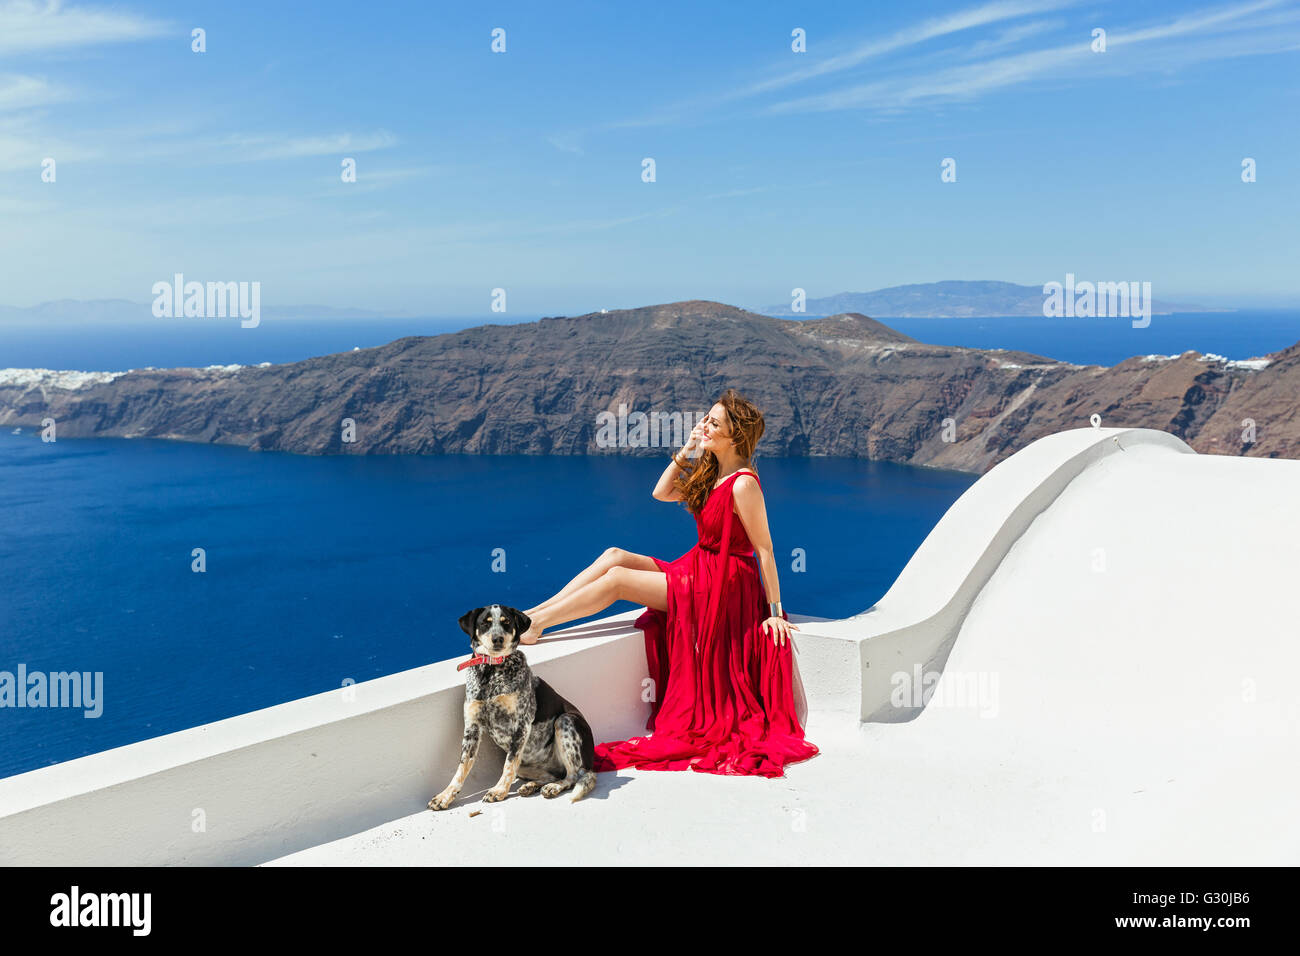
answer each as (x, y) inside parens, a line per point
(586, 783)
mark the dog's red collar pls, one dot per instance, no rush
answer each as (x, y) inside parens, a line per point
(480, 659)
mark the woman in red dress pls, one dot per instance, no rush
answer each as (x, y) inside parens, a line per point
(726, 698)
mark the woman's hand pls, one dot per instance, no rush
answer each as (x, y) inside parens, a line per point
(693, 441)
(781, 629)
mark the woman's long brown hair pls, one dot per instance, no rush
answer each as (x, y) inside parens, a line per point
(745, 424)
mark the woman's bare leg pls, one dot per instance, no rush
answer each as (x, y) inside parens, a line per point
(617, 584)
(612, 558)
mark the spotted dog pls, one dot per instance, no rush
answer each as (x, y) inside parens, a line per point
(547, 741)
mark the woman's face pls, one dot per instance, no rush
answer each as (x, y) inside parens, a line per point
(716, 430)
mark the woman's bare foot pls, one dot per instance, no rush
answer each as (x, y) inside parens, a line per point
(531, 635)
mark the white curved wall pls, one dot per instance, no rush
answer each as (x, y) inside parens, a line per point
(917, 620)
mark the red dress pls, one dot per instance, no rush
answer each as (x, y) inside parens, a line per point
(723, 690)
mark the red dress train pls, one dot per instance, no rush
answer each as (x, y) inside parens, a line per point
(724, 692)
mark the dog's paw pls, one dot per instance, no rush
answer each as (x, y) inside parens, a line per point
(496, 794)
(528, 789)
(442, 801)
(553, 790)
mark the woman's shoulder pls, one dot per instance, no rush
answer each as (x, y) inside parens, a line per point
(736, 475)
(739, 478)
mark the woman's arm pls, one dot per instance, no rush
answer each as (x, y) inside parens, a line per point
(666, 488)
(753, 515)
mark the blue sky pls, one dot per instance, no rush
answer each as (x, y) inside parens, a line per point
(522, 170)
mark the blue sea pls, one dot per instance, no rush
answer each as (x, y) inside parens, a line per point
(1108, 341)
(321, 570)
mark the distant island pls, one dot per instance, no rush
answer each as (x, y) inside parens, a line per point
(845, 386)
(946, 300)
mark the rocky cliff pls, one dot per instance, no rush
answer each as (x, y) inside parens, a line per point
(839, 386)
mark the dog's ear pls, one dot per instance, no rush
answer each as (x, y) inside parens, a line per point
(521, 620)
(468, 618)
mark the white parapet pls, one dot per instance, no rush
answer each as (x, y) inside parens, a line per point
(270, 782)
(296, 774)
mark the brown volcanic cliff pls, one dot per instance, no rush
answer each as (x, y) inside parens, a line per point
(839, 386)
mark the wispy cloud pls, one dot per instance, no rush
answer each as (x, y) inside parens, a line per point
(23, 145)
(30, 27)
(565, 143)
(912, 88)
(23, 92)
(23, 142)
(935, 28)
(932, 29)
(1011, 36)
(770, 187)
(375, 180)
(907, 69)
(19, 153)
(244, 148)
(962, 82)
